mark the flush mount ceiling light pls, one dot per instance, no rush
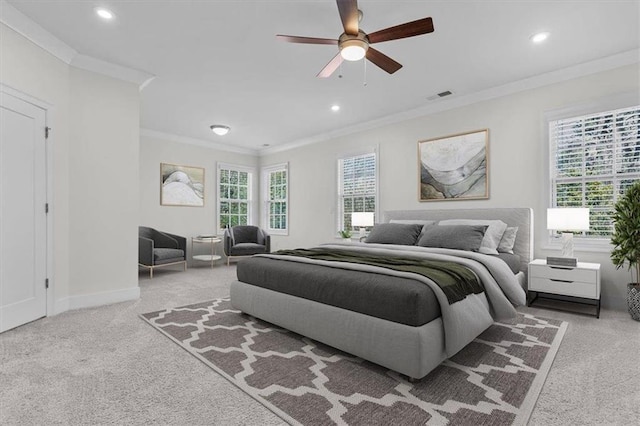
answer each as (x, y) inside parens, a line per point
(105, 14)
(219, 129)
(539, 37)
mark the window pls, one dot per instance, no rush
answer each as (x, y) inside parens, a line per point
(594, 158)
(357, 187)
(234, 196)
(275, 183)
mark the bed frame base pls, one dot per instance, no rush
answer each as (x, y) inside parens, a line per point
(412, 351)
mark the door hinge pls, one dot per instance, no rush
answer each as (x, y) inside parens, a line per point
(46, 132)
(46, 283)
(46, 208)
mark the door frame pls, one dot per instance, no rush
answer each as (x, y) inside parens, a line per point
(49, 147)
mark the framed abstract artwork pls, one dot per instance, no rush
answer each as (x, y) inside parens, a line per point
(454, 167)
(181, 185)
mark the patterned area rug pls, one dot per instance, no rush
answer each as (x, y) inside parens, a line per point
(495, 380)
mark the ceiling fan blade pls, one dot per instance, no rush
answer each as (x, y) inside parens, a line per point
(330, 67)
(306, 40)
(382, 60)
(409, 29)
(349, 15)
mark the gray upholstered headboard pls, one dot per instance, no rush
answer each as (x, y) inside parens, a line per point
(520, 217)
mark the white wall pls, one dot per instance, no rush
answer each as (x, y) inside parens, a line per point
(95, 122)
(103, 184)
(517, 163)
(185, 221)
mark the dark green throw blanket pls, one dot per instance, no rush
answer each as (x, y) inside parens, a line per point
(455, 280)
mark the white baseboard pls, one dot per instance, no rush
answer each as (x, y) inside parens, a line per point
(96, 299)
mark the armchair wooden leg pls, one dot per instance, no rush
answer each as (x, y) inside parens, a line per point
(151, 272)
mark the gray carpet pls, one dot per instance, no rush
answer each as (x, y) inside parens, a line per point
(106, 366)
(494, 380)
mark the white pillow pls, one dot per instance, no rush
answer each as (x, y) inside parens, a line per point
(413, 221)
(508, 240)
(492, 236)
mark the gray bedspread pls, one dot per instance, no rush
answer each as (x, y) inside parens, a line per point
(462, 320)
(398, 299)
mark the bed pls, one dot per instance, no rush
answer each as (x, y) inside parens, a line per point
(392, 317)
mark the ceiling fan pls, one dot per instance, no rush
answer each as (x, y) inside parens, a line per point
(355, 44)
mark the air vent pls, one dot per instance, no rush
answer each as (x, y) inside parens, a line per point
(440, 95)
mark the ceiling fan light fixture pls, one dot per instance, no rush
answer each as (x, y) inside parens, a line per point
(353, 50)
(220, 129)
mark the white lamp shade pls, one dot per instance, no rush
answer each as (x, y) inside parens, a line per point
(568, 219)
(361, 219)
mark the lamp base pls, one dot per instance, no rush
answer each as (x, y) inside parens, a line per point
(363, 233)
(562, 261)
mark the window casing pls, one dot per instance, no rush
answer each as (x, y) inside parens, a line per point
(234, 195)
(357, 187)
(593, 159)
(275, 184)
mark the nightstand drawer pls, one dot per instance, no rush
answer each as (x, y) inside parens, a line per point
(566, 274)
(567, 287)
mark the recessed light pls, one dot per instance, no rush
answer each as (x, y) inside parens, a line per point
(220, 129)
(104, 13)
(539, 37)
(335, 107)
(266, 144)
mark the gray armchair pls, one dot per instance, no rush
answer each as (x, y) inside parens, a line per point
(245, 240)
(157, 249)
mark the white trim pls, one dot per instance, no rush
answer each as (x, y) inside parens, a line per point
(23, 25)
(25, 97)
(338, 182)
(96, 299)
(251, 199)
(26, 27)
(558, 76)
(264, 199)
(49, 148)
(606, 103)
(197, 142)
(89, 63)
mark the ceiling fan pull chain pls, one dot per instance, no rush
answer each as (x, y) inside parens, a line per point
(340, 72)
(365, 73)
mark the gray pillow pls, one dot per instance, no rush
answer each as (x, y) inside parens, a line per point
(395, 233)
(459, 237)
(491, 237)
(508, 240)
(425, 223)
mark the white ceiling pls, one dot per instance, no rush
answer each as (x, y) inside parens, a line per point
(219, 62)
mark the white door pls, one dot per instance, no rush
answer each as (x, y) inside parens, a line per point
(23, 221)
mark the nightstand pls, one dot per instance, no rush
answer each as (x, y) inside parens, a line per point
(580, 283)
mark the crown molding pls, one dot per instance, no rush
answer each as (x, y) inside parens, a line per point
(20, 23)
(593, 67)
(23, 25)
(197, 142)
(89, 63)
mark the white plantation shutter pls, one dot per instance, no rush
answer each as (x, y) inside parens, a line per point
(357, 187)
(594, 158)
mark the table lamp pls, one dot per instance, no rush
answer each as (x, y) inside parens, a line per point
(361, 220)
(564, 220)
